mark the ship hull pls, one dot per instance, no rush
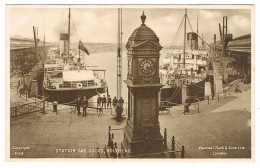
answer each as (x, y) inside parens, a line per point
(195, 90)
(69, 95)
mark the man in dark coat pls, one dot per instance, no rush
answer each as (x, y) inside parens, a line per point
(78, 105)
(121, 101)
(98, 102)
(104, 102)
(85, 106)
(114, 102)
(186, 105)
(108, 101)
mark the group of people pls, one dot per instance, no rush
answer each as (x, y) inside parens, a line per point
(105, 103)
(102, 103)
(82, 103)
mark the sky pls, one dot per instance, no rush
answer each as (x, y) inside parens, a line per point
(98, 24)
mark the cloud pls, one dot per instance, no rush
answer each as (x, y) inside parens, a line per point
(100, 24)
(209, 14)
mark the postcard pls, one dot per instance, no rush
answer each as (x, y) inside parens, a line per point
(116, 82)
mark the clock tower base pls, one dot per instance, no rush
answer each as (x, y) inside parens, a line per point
(146, 141)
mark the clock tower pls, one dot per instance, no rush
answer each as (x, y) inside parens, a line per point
(142, 131)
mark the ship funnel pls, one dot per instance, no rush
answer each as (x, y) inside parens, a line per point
(192, 40)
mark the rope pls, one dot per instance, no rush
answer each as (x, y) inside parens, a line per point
(189, 23)
(75, 29)
(179, 88)
(116, 129)
(199, 86)
(177, 33)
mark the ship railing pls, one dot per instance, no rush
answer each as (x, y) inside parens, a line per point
(79, 84)
(85, 84)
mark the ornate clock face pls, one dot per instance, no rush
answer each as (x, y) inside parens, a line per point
(146, 66)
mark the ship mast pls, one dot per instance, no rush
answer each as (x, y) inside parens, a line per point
(119, 54)
(184, 46)
(69, 34)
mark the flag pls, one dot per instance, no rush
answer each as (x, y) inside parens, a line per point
(82, 47)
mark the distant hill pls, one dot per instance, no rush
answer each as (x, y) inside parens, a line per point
(99, 47)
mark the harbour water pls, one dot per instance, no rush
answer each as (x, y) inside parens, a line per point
(108, 61)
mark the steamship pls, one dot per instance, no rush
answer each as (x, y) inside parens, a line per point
(184, 70)
(67, 75)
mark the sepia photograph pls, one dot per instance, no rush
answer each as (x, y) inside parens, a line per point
(170, 82)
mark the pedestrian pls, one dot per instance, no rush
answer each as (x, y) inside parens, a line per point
(121, 101)
(109, 101)
(98, 102)
(18, 86)
(78, 105)
(114, 102)
(85, 106)
(104, 102)
(186, 105)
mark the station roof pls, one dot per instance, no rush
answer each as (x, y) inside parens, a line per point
(24, 43)
(240, 44)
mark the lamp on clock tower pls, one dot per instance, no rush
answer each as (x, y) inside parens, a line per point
(142, 131)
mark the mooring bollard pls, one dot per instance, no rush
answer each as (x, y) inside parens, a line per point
(165, 138)
(55, 104)
(182, 151)
(109, 136)
(173, 147)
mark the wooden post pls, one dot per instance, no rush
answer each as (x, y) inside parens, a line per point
(173, 147)
(218, 97)
(112, 148)
(182, 151)
(26, 95)
(109, 137)
(106, 151)
(198, 107)
(165, 138)
(208, 99)
(43, 106)
(115, 154)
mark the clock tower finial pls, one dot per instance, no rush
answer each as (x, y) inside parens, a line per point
(143, 17)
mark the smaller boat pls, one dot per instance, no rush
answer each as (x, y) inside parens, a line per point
(68, 76)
